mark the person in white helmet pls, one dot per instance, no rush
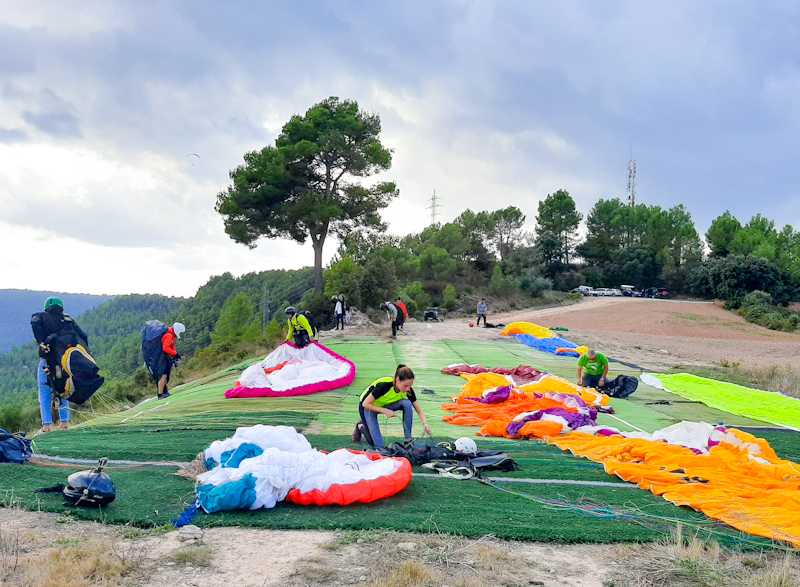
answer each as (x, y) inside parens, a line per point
(171, 356)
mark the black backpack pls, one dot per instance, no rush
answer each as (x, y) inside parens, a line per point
(621, 386)
(74, 374)
(154, 357)
(14, 448)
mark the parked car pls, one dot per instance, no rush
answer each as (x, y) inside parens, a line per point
(627, 290)
(433, 314)
(583, 289)
(600, 291)
(661, 294)
(614, 292)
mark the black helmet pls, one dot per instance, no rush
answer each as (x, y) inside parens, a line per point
(90, 488)
(384, 306)
(290, 310)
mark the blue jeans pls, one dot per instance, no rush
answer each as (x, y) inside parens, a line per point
(373, 427)
(46, 399)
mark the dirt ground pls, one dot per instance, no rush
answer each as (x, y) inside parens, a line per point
(38, 549)
(654, 334)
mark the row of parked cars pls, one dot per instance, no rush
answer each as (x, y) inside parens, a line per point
(625, 290)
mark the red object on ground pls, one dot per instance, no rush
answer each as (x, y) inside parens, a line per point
(362, 491)
(471, 325)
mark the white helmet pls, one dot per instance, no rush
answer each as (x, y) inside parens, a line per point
(178, 329)
(466, 445)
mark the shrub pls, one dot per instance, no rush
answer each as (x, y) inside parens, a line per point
(533, 283)
(414, 291)
(449, 297)
(502, 285)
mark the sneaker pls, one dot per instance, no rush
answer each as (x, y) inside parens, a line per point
(164, 395)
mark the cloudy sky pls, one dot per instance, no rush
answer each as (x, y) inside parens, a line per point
(489, 103)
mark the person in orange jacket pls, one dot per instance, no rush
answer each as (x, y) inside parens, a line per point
(399, 303)
(171, 354)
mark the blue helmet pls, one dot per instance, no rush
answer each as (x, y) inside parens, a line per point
(290, 311)
(90, 488)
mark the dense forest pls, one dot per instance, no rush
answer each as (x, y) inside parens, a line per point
(17, 305)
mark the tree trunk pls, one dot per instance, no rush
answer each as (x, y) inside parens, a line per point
(318, 242)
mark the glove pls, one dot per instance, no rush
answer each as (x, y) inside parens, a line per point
(177, 357)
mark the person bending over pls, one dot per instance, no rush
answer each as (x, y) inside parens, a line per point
(301, 331)
(387, 396)
(592, 369)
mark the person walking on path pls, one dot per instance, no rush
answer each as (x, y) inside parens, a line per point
(482, 308)
(402, 307)
(387, 396)
(592, 369)
(45, 325)
(395, 316)
(338, 312)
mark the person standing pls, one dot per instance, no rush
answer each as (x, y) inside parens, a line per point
(482, 309)
(402, 307)
(45, 326)
(387, 396)
(592, 369)
(338, 312)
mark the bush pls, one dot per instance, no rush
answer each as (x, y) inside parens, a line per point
(414, 291)
(533, 283)
(502, 285)
(449, 297)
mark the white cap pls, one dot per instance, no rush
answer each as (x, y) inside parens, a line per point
(178, 329)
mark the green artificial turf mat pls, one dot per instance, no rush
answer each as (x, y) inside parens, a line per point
(146, 496)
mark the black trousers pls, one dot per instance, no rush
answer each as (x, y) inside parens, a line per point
(339, 320)
(479, 319)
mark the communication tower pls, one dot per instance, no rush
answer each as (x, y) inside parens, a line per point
(433, 207)
(632, 181)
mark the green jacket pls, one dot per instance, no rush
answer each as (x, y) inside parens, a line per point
(298, 322)
(384, 393)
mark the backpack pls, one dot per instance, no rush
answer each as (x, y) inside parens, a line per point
(74, 374)
(621, 386)
(152, 351)
(82, 374)
(14, 448)
(310, 317)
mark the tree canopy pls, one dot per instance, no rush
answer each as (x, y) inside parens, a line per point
(308, 185)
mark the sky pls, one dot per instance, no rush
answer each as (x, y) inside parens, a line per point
(491, 104)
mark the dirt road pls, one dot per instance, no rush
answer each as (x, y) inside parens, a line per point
(641, 330)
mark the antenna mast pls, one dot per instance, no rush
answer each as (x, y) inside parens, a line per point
(433, 207)
(632, 181)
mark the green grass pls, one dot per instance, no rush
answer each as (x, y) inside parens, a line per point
(198, 414)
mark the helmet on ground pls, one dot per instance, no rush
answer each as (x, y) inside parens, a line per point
(290, 311)
(90, 488)
(466, 445)
(50, 302)
(178, 329)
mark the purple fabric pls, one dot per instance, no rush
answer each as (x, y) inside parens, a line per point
(500, 394)
(607, 433)
(573, 420)
(516, 425)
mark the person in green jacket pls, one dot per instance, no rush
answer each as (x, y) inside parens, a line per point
(301, 331)
(387, 396)
(592, 369)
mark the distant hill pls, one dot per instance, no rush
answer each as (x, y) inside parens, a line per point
(17, 305)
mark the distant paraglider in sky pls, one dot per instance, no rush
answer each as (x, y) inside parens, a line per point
(193, 155)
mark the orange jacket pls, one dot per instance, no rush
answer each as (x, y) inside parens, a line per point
(402, 307)
(168, 342)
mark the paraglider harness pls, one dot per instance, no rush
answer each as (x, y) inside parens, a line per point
(71, 370)
(621, 386)
(92, 488)
(14, 448)
(444, 459)
(300, 335)
(158, 362)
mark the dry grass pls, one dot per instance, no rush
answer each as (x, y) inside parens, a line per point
(683, 561)
(197, 555)
(29, 561)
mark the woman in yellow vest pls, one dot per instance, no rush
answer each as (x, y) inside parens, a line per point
(387, 396)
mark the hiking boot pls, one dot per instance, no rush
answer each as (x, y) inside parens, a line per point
(164, 395)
